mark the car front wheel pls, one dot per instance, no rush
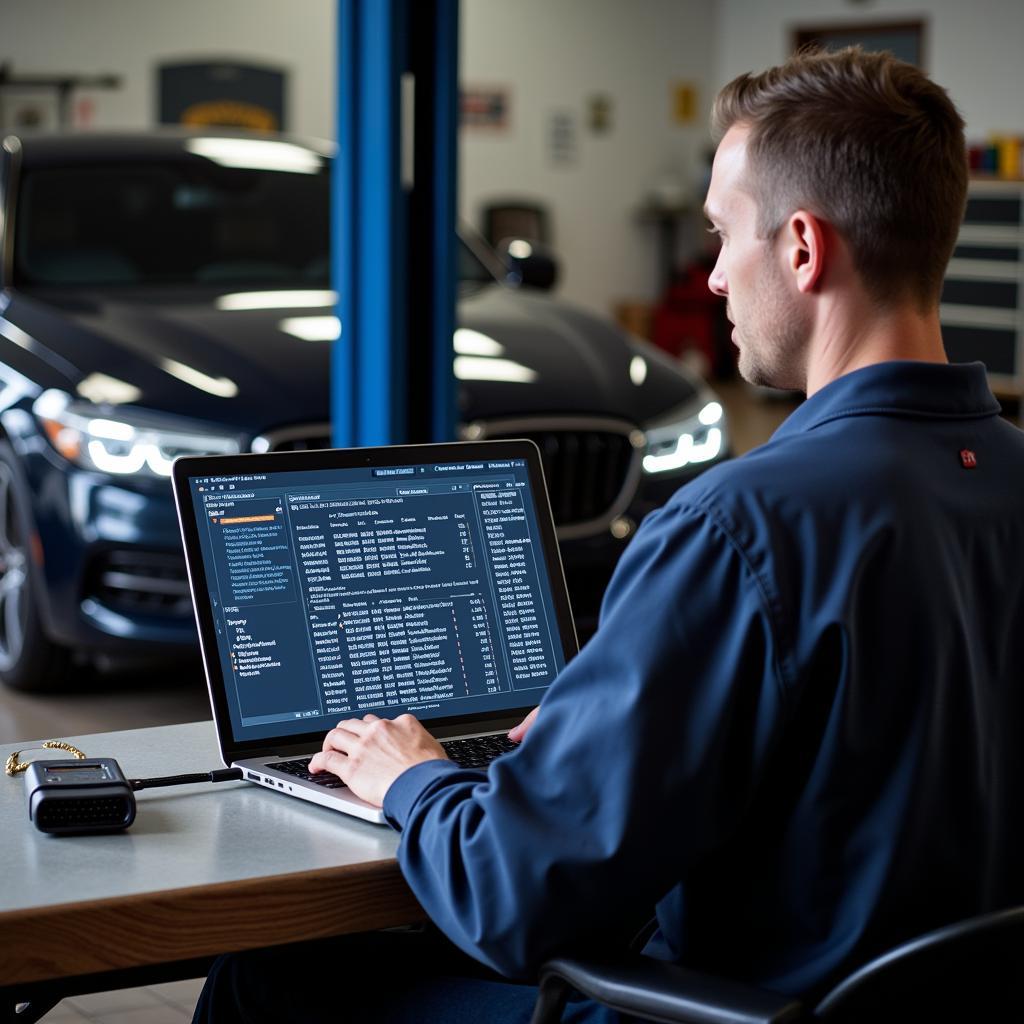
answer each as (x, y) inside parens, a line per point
(29, 660)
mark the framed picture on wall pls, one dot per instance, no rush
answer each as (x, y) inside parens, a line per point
(484, 107)
(224, 92)
(903, 39)
(30, 110)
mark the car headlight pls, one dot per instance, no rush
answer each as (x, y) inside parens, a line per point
(121, 442)
(683, 440)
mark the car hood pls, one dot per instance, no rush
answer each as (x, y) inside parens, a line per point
(582, 363)
(516, 354)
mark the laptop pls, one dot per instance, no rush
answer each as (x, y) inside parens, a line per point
(331, 584)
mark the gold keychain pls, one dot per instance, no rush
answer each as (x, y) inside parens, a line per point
(15, 766)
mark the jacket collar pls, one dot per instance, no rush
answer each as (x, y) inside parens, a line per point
(898, 388)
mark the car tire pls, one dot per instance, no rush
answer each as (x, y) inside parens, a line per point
(29, 660)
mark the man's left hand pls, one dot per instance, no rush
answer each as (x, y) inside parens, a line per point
(369, 753)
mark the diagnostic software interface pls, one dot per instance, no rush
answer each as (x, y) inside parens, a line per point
(338, 592)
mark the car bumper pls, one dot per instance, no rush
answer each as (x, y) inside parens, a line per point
(109, 560)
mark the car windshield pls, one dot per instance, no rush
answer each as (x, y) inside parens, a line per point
(179, 222)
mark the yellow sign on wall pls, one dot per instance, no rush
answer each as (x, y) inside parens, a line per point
(684, 102)
(230, 113)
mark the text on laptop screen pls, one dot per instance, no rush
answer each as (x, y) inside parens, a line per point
(335, 593)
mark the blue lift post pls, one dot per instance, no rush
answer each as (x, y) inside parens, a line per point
(393, 222)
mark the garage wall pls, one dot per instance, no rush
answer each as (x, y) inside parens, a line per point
(972, 49)
(130, 37)
(552, 55)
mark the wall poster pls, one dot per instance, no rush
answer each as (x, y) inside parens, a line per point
(222, 93)
(484, 107)
(903, 39)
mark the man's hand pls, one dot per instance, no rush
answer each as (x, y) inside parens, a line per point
(518, 732)
(369, 753)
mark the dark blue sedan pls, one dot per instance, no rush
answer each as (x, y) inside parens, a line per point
(166, 294)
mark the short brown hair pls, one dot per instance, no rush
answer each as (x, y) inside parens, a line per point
(868, 143)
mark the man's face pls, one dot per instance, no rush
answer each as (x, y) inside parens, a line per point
(772, 328)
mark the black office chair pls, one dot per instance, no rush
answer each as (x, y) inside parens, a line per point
(969, 972)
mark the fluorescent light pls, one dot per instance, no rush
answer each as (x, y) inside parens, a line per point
(222, 387)
(277, 300)
(111, 430)
(104, 390)
(638, 370)
(257, 154)
(312, 328)
(473, 343)
(12, 332)
(475, 351)
(477, 368)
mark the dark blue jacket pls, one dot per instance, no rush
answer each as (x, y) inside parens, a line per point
(799, 730)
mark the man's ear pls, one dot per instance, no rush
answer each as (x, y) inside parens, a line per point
(805, 243)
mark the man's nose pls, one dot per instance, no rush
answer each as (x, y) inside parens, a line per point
(717, 282)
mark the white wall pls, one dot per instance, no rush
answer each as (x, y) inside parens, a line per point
(131, 37)
(553, 55)
(973, 49)
(549, 53)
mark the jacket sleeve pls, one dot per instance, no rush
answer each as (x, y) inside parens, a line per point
(641, 761)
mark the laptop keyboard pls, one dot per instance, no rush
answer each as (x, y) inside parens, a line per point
(477, 751)
(472, 752)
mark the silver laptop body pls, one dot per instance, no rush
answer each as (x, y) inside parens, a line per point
(329, 584)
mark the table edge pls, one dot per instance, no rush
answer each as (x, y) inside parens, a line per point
(163, 926)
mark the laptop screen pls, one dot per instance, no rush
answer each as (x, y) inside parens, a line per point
(420, 587)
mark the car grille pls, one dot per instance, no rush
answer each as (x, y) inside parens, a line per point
(591, 466)
(153, 582)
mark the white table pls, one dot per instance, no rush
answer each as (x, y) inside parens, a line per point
(204, 869)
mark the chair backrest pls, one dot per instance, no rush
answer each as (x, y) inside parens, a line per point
(969, 971)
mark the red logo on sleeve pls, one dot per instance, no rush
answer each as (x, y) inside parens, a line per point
(968, 458)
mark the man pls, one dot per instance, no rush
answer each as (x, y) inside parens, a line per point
(795, 736)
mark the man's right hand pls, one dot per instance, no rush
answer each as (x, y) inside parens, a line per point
(518, 732)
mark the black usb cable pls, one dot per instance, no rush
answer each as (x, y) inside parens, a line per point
(217, 775)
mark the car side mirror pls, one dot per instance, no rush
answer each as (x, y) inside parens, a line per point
(528, 264)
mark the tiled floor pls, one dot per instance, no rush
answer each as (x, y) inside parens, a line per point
(159, 1004)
